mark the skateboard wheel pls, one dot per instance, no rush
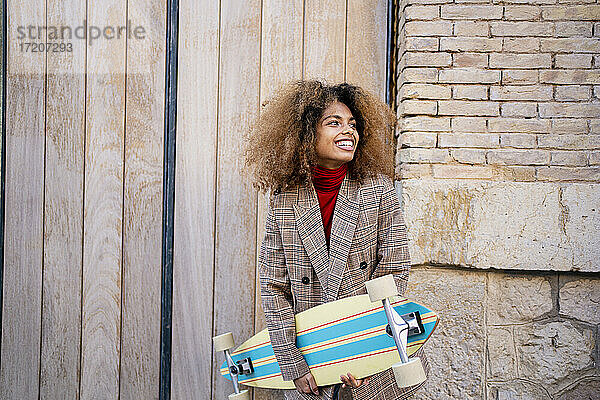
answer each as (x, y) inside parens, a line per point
(381, 288)
(410, 373)
(223, 342)
(242, 395)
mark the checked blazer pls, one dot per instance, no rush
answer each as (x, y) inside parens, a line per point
(297, 270)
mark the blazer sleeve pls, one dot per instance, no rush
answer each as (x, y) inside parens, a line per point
(392, 242)
(275, 291)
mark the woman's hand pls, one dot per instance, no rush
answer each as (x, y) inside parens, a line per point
(306, 384)
(352, 381)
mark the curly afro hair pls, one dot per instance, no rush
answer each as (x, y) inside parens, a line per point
(281, 146)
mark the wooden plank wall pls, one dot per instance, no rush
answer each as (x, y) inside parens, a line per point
(81, 290)
(236, 57)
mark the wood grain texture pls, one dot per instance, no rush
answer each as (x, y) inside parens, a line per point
(103, 206)
(63, 211)
(24, 196)
(324, 40)
(281, 62)
(235, 246)
(142, 236)
(191, 369)
(366, 45)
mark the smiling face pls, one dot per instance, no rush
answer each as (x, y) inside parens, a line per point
(337, 136)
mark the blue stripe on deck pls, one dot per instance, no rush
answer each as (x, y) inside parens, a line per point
(335, 331)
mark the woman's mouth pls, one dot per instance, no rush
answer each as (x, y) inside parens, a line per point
(345, 144)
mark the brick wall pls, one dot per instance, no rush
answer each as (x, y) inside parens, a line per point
(501, 91)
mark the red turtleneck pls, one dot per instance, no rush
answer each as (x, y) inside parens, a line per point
(327, 184)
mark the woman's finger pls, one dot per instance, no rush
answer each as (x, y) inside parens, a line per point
(312, 385)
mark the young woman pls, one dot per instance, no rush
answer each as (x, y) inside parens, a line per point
(334, 220)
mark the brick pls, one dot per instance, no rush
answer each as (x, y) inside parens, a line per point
(417, 139)
(597, 92)
(418, 107)
(421, 12)
(425, 1)
(518, 157)
(588, 174)
(519, 77)
(569, 142)
(471, 12)
(533, 1)
(427, 59)
(522, 13)
(408, 171)
(484, 140)
(462, 172)
(571, 13)
(468, 108)
(595, 126)
(597, 61)
(522, 28)
(469, 60)
(518, 140)
(425, 91)
(438, 28)
(525, 61)
(426, 124)
(536, 92)
(470, 44)
(521, 45)
(568, 45)
(565, 77)
(568, 158)
(469, 124)
(421, 43)
(469, 75)
(572, 93)
(468, 156)
(573, 28)
(471, 28)
(518, 125)
(518, 109)
(548, 110)
(569, 126)
(514, 173)
(418, 155)
(425, 75)
(470, 92)
(573, 61)
(594, 158)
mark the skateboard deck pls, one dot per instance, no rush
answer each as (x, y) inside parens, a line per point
(347, 335)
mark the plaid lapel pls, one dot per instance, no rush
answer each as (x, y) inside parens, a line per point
(310, 229)
(345, 216)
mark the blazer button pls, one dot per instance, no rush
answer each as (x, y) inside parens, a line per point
(305, 280)
(363, 265)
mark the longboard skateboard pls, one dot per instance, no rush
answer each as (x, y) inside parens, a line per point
(348, 335)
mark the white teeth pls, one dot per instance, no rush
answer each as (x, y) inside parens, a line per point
(345, 143)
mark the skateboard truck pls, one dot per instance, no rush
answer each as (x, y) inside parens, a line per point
(242, 367)
(408, 372)
(415, 326)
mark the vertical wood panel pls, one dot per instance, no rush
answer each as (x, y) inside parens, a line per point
(142, 236)
(281, 61)
(324, 40)
(63, 215)
(193, 259)
(21, 314)
(366, 45)
(236, 200)
(103, 205)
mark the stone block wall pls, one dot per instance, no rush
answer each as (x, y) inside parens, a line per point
(498, 170)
